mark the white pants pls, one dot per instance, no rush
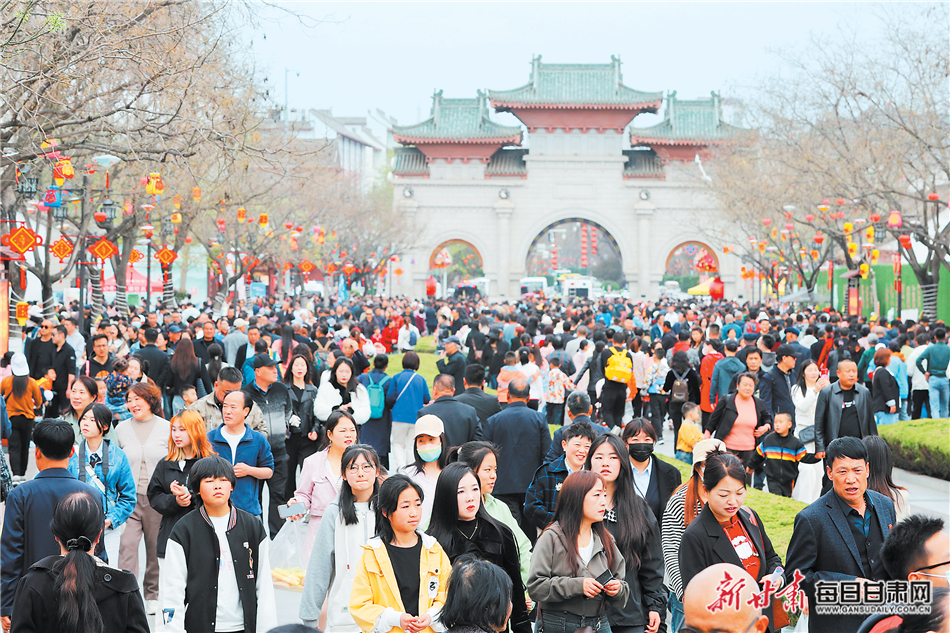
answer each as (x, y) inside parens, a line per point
(400, 450)
(111, 543)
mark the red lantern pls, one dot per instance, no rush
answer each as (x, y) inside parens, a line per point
(717, 289)
(933, 197)
(875, 217)
(789, 226)
(809, 218)
(840, 201)
(288, 225)
(819, 238)
(430, 286)
(767, 221)
(904, 240)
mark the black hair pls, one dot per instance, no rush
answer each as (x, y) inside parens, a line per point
(443, 524)
(20, 383)
(478, 595)
(904, 548)
(98, 337)
(287, 342)
(211, 467)
(578, 429)
(935, 620)
(77, 524)
(230, 375)
(347, 500)
(720, 465)
(845, 448)
(331, 422)
(380, 362)
(749, 375)
(578, 402)
(289, 375)
(443, 460)
(800, 383)
(679, 363)
(475, 375)
(635, 427)
(151, 334)
(54, 437)
(101, 414)
(387, 500)
(353, 382)
(473, 453)
(634, 527)
(215, 362)
(753, 350)
(880, 470)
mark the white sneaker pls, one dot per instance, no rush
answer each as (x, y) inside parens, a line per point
(151, 607)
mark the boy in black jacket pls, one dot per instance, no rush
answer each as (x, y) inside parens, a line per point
(215, 558)
(781, 452)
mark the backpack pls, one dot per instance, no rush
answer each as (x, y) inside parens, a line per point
(377, 398)
(619, 366)
(413, 337)
(680, 390)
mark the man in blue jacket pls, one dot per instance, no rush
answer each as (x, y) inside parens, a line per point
(26, 536)
(723, 372)
(523, 438)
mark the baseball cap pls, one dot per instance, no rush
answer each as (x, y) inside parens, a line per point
(264, 360)
(429, 425)
(784, 351)
(763, 316)
(792, 330)
(19, 366)
(452, 339)
(174, 329)
(703, 448)
(239, 322)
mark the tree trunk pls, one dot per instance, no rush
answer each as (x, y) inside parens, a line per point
(168, 290)
(219, 300)
(96, 298)
(121, 296)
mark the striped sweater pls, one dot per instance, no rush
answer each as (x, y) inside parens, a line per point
(781, 456)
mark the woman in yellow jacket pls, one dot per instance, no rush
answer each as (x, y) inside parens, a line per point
(403, 575)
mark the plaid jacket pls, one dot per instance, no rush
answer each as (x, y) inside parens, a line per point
(541, 498)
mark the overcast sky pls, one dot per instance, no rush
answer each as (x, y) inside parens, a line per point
(392, 55)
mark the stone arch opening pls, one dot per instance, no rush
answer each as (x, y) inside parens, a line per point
(576, 246)
(458, 264)
(690, 263)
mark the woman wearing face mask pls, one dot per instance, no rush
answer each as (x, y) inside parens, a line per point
(348, 523)
(571, 555)
(684, 506)
(321, 474)
(634, 529)
(482, 458)
(431, 454)
(462, 526)
(728, 532)
(653, 479)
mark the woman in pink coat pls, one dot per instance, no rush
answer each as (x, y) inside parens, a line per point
(320, 476)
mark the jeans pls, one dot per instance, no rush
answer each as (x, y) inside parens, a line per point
(882, 418)
(564, 622)
(677, 617)
(554, 412)
(939, 396)
(683, 456)
(904, 412)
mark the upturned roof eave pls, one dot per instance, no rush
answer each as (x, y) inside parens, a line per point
(422, 140)
(645, 106)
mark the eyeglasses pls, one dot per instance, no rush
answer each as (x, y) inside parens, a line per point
(946, 562)
(364, 468)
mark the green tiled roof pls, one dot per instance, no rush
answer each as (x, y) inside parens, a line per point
(687, 121)
(577, 85)
(409, 161)
(642, 164)
(457, 121)
(507, 162)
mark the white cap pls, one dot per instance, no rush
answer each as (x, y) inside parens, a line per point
(19, 366)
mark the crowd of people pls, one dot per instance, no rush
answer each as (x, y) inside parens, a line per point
(523, 475)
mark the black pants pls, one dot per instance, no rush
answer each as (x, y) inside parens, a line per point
(658, 406)
(781, 488)
(554, 412)
(534, 405)
(56, 404)
(637, 406)
(613, 398)
(676, 416)
(299, 448)
(744, 457)
(921, 397)
(277, 485)
(19, 442)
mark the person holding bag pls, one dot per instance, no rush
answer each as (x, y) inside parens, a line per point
(576, 560)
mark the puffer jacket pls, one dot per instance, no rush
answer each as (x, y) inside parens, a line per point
(328, 399)
(556, 578)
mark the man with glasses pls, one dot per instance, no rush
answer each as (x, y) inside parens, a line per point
(40, 350)
(918, 548)
(717, 600)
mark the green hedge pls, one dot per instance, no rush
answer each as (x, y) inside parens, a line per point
(920, 446)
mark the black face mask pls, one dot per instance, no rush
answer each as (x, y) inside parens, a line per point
(640, 452)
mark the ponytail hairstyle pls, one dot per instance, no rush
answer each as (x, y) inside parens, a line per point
(77, 525)
(215, 361)
(347, 501)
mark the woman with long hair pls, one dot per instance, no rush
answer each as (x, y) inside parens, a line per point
(71, 592)
(144, 438)
(805, 398)
(342, 391)
(880, 475)
(885, 393)
(681, 370)
(299, 381)
(23, 397)
(529, 365)
(285, 345)
(348, 523)
(482, 458)
(103, 465)
(727, 531)
(83, 392)
(684, 506)
(320, 477)
(430, 452)
(398, 551)
(635, 531)
(185, 370)
(168, 490)
(462, 526)
(211, 369)
(577, 546)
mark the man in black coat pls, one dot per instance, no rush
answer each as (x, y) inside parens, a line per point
(452, 362)
(839, 537)
(523, 439)
(159, 366)
(460, 420)
(578, 408)
(40, 350)
(474, 395)
(781, 379)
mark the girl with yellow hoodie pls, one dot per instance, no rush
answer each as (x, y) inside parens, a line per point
(401, 580)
